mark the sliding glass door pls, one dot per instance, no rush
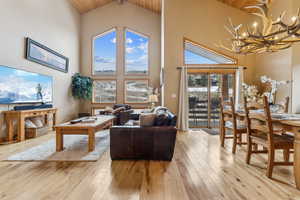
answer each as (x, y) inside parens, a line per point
(205, 90)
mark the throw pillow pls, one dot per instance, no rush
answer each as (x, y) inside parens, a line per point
(38, 122)
(159, 109)
(29, 124)
(172, 119)
(147, 119)
(161, 119)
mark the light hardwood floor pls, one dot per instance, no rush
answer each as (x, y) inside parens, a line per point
(200, 170)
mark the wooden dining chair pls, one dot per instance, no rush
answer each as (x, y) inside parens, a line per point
(286, 104)
(230, 121)
(261, 132)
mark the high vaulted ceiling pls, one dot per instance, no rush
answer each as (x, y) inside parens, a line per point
(241, 4)
(84, 6)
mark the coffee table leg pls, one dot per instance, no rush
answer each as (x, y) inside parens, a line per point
(91, 141)
(59, 140)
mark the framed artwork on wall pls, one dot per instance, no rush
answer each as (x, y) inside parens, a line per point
(43, 55)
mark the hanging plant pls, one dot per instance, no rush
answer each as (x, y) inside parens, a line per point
(82, 87)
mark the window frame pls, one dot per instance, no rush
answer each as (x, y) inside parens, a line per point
(113, 29)
(125, 29)
(235, 61)
(125, 90)
(104, 80)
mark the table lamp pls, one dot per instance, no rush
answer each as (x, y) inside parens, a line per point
(153, 98)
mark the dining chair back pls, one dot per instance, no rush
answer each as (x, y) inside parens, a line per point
(260, 131)
(230, 122)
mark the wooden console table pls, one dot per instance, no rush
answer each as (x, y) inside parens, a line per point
(20, 117)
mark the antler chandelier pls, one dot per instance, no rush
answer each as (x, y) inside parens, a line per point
(271, 36)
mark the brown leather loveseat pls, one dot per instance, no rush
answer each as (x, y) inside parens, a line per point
(143, 143)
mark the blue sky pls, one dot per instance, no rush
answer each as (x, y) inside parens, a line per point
(192, 58)
(105, 52)
(136, 52)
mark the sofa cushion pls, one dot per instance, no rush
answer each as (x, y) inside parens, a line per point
(159, 109)
(127, 107)
(147, 119)
(117, 110)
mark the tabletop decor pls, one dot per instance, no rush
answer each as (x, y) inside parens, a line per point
(274, 86)
(252, 93)
(43, 55)
(270, 36)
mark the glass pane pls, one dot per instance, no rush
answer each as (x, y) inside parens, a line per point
(192, 58)
(215, 94)
(195, 54)
(228, 86)
(104, 53)
(198, 100)
(104, 91)
(136, 91)
(136, 53)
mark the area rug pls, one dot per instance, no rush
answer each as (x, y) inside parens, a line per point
(75, 149)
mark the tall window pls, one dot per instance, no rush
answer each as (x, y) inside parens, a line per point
(136, 53)
(104, 91)
(136, 91)
(196, 54)
(105, 53)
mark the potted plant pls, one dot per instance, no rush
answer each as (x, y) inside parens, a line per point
(82, 89)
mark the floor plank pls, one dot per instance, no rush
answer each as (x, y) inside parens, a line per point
(201, 169)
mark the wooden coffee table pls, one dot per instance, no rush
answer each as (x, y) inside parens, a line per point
(102, 122)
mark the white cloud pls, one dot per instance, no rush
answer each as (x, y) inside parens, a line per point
(24, 73)
(143, 47)
(98, 59)
(129, 41)
(114, 40)
(130, 49)
(138, 61)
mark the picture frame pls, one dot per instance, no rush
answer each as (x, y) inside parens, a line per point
(45, 56)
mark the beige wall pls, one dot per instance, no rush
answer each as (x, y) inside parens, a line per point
(201, 21)
(283, 65)
(296, 67)
(121, 16)
(53, 23)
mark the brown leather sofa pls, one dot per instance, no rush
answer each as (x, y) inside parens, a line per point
(122, 114)
(142, 143)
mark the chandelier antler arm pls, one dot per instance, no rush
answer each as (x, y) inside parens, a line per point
(271, 36)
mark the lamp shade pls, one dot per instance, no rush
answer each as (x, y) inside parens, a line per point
(153, 98)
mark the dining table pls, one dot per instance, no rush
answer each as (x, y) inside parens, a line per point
(290, 123)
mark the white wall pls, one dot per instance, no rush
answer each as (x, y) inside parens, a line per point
(54, 23)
